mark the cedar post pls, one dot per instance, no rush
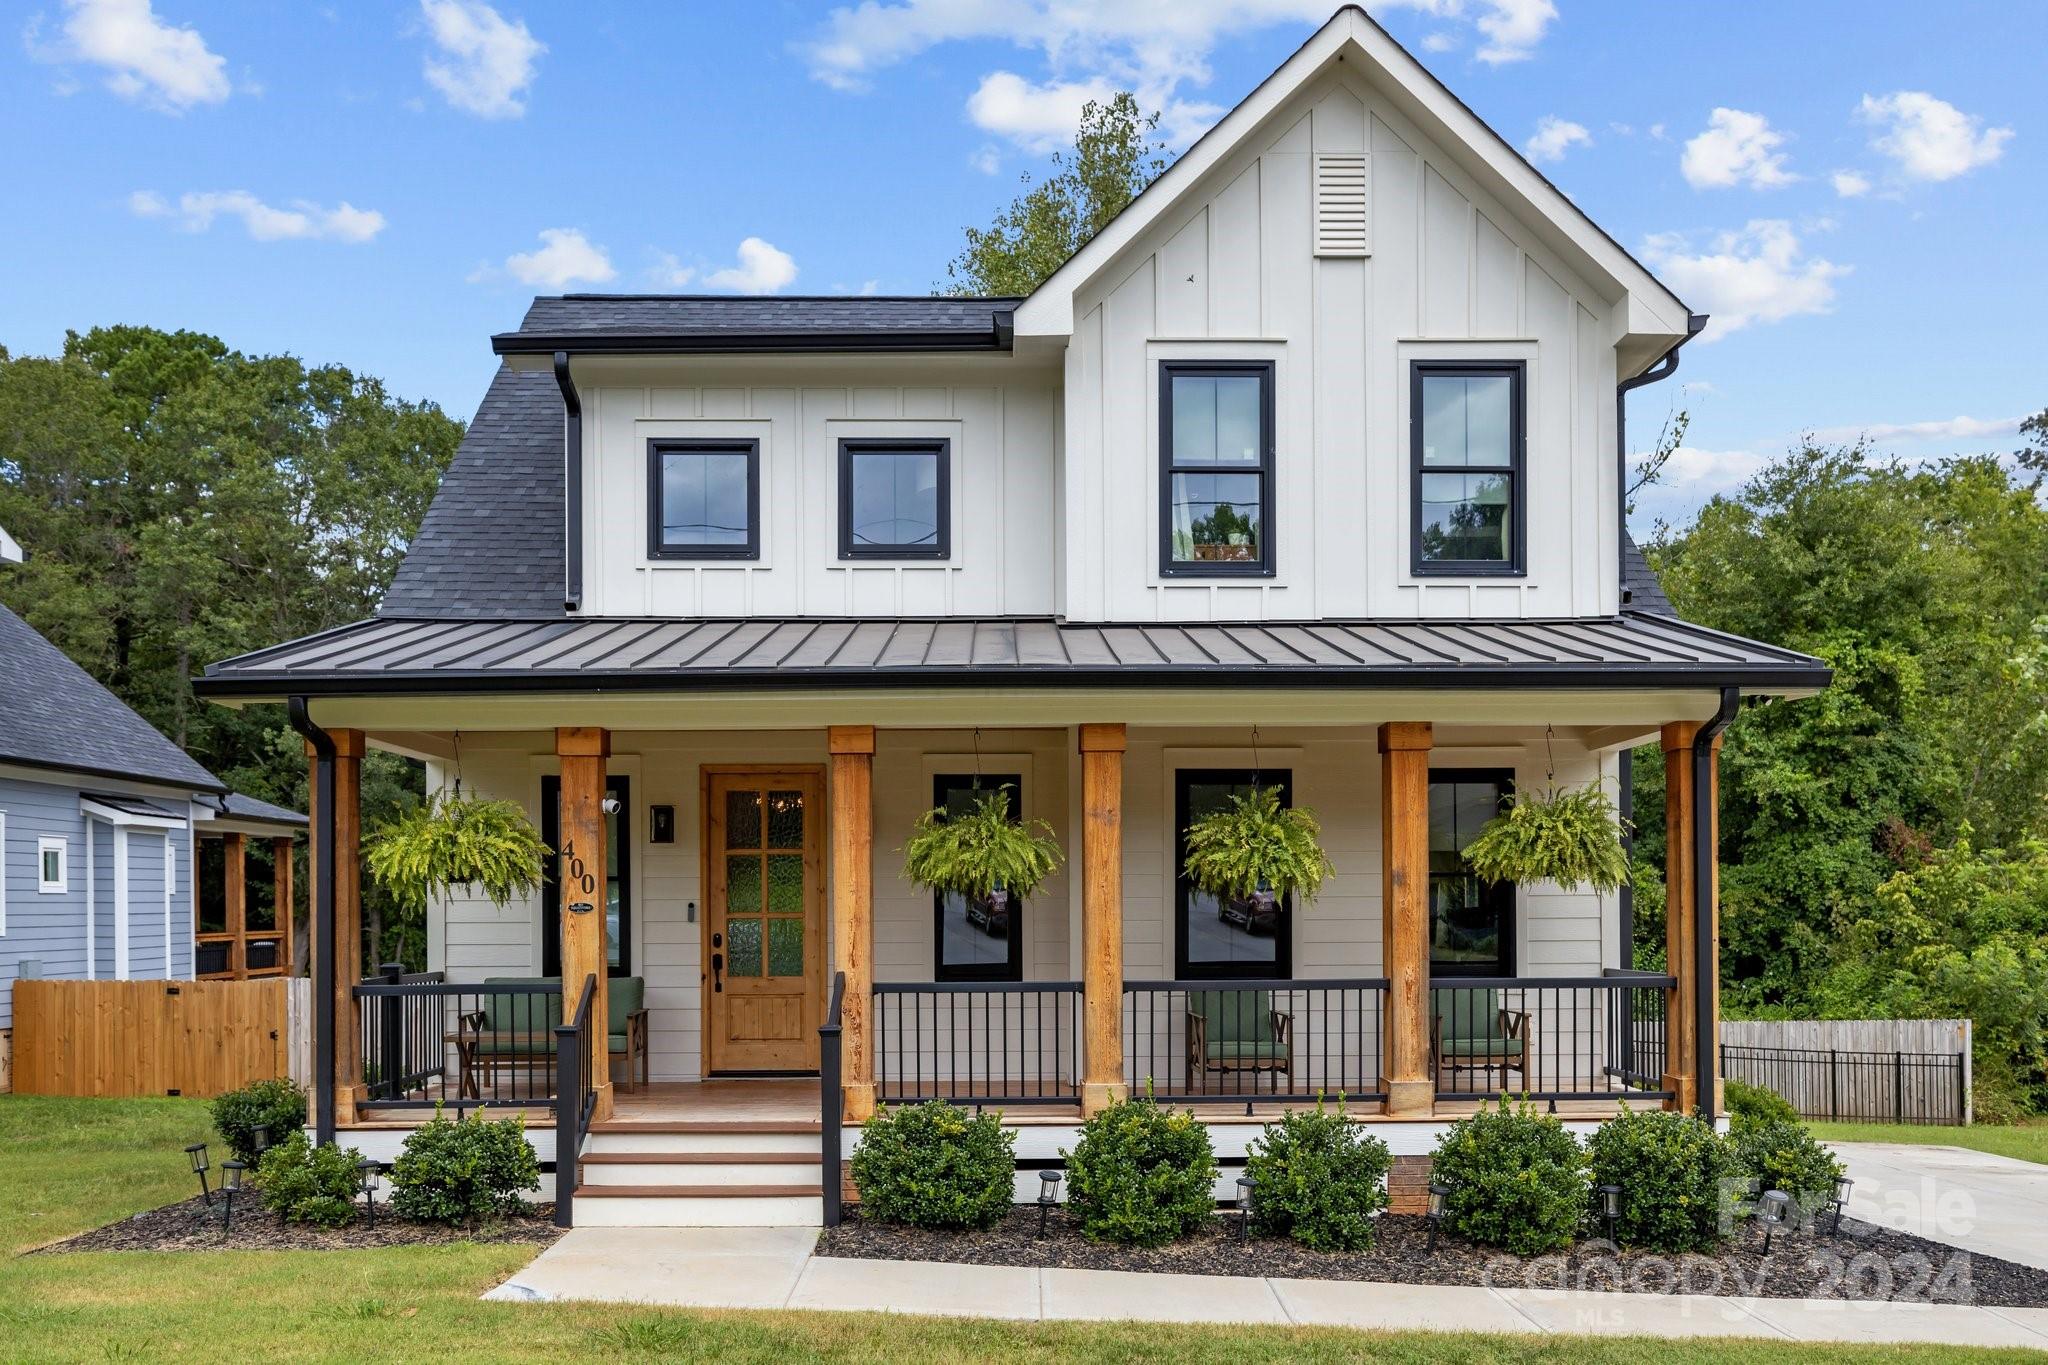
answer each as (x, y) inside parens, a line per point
(853, 890)
(1681, 948)
(235, 863)
(1404, 914)
(281, 899)
(583, 751)
(339, 976)
(1102, 917)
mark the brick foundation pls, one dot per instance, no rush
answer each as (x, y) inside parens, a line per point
(1408, 1185)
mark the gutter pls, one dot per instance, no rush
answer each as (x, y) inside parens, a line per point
(1666, 366)
(323, 918)
(1000, 336)
(1706, 951)
(572, 486)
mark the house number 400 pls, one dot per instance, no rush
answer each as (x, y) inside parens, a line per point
(579, 875)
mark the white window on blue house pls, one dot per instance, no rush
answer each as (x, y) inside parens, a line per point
(52, 871)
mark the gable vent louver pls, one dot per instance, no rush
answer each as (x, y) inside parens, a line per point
(1341, 224)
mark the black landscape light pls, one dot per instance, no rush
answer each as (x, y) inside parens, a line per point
(230, 1185)
(1439, 1195)
(1610, 1208)
(196, 1153)
(1048, 1196)
(1770, 1211)
(1839, 1202)
(259, 1141)
(1247, 1190)
(366, 1175)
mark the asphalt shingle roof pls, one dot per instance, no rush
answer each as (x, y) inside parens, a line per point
(682, 317)
(1639, 581)
(237, 806)
(53, 714)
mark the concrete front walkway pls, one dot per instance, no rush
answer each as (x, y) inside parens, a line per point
(774, 1268)
(1992, 1205)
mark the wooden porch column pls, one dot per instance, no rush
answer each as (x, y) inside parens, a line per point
(582, 751)
(340, 976)
(1682, 949)
(1102, 916)
(853, 895)
(235, 863)
(1404, 915)
(281, 899)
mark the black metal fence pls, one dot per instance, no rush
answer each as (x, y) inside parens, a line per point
(1551, 1038)
(1240, 1040)
(426, 1041)
(978, 1042)
(1857, 1087)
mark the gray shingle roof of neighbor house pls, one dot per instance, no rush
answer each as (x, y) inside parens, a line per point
(237, 806)
(53, 714)
(582, 323)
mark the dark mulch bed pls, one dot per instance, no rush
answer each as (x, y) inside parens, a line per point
(192, 1226)
(1864, 1262)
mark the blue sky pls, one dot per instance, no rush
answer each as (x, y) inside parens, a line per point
(1854, 190)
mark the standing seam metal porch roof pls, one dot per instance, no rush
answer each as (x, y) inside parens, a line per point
(392, 655)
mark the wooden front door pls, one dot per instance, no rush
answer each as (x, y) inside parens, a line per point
(765, 929)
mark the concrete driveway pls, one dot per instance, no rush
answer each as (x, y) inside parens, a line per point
(1993, 1205)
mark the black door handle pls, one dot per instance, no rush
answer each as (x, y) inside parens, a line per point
(717, 966)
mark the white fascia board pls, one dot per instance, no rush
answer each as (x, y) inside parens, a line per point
(125, 819)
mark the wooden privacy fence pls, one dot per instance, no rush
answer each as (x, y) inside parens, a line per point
(1867, 1070)
(107, 1039)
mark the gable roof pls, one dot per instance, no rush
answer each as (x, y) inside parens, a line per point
(53, 714)
(654, 323)
(1654, 312)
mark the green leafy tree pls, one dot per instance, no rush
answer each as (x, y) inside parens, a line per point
(1115, 156)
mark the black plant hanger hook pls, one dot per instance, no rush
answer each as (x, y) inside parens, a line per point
(458, 765)
(1256, 775)
(1549, 757)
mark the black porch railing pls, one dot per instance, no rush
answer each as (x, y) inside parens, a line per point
(1550, 1038)
(978, 1042)
(1242, 1040)
(1857, 1087)
(427, 1041)
(575, 1101)
(831, 1104)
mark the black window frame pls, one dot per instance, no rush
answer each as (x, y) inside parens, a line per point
(1013, 969)
(942, 446)
(1501, 893)
(1516, 564)
(1263, 567)
(1281, 968)
(616, 785)
(657, 547)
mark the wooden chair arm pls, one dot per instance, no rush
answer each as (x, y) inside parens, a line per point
(472, 1023)
(1515, 1024)
(1198, 1035)
(1283, 1028)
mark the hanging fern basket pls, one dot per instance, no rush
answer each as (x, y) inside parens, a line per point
(981, 852)
(454, 841)
(1570, 836)
(1255, 851)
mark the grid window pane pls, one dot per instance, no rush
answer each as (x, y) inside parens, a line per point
(704, 498)
(1466, 517)
(895, 498)
(785, 947)
(785, 883)
(743, 883)
(785, 819)
(1466, 420)
(743, 819)
(1216, 419)
(743, 947)
(1217, 518)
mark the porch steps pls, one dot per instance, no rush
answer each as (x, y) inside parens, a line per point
(707, 1173)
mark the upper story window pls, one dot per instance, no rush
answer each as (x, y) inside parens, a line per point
(1467, 433)
(1216, 467)
(704, 499)
(894, 499)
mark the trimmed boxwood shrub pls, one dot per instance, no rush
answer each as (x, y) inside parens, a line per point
(1320, 1179)
(459, 1171)
(933, 1166)
(1674, 1171)
(279, 1105)
(302, 1183)
(1784, 1156)
(1141, 1175)
(1756, 1104)
(1517, 1179)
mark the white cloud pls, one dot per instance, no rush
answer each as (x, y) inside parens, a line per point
(1930, 139)
(1439, 41)
(1737, 148)
(1850, 184)
(565, 257)
(488, 61)
(1705, 472)
(1945, 429)
(1512, 29)
(671, 273)
(1759, 274)
(303, 221)
(147, 59)
(1555, 136)
(762, 269)
(987, 158)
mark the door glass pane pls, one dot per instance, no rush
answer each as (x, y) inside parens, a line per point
(1465, 517)
(743, 819)
(614, 892)
(743, 947)
(1465, 419)
(704, 497)
(785, 819)
(895, 498)
(1216, 419)
(786, 883)
(1216, 518)
(743, 883)
(785, 947)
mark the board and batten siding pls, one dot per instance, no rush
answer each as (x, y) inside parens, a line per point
(1231, 274)
(1000, 413)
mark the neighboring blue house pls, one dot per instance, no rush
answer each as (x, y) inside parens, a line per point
(98, 817)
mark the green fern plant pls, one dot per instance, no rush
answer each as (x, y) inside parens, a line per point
(1571, 837)
(980, 849)
(1254, 845)
(453, 840)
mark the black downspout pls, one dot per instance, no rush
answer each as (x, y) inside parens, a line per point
(1666, 366)
(1706, 951)
(1626, 895)
(572, 486)
(323, 919)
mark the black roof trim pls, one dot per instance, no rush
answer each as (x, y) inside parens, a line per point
(641, 324)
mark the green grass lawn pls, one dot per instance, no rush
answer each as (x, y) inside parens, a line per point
(2027, 1141)
(68, 1165)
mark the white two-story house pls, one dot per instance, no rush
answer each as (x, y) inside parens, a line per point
(1307, 471)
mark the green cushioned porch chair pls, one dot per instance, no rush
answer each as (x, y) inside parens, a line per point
(1470, 1031)
(512, 1029)
(1231, 1032)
